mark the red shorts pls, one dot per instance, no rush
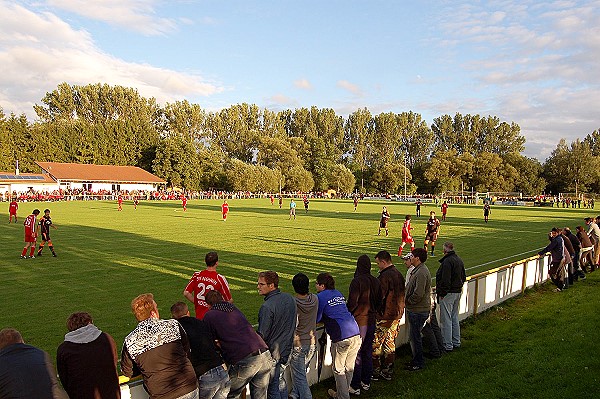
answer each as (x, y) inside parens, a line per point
(30, 238)
(13, 213)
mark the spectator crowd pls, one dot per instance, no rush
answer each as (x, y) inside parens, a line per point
(573, 254)
(217, 353)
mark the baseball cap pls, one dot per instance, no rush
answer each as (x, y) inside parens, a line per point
(408, 256)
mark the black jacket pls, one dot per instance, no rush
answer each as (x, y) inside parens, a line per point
(574, 240)
(451, 275)
(26, 373)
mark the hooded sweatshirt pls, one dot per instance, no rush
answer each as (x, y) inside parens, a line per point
(87, 364)
(306, 308)
(364, 297)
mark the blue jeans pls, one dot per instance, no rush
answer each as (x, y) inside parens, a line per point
(449, 320)
(299, 359)
(253, 370)
(214, 384)
(277, 385)
(416, 322)
(363, 368)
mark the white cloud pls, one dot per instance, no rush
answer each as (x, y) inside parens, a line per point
(38, 51)
(135, 15)
(351, 87)
(539, 62)
(303, 84)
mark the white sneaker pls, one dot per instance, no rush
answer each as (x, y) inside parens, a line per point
(354, 391)
(364, 386)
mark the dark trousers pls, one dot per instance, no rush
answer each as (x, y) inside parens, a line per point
(363, 367)
(416, 321)
(432, 335)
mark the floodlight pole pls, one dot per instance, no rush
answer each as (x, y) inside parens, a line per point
(405, 176)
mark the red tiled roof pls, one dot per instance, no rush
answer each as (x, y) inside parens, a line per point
(98, 173)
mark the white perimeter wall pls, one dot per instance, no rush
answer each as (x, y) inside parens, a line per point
(479, 294)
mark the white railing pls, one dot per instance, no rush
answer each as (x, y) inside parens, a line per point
(480, 292)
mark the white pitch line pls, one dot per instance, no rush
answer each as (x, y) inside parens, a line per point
(508, 257)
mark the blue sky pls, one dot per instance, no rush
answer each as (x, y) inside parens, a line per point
(531, 62)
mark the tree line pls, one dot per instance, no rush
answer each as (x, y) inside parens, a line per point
(244, 147)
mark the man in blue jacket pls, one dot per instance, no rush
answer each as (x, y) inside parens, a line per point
(343, 331)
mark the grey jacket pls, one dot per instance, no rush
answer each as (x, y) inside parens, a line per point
(277, 321)
(418, 290)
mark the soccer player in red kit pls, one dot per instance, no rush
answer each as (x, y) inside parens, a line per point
(204, 281)
(407, 237)
(184, 202)
(12, 210)
(31, 232)
(444, 210)
(225, 210)
(120, 202)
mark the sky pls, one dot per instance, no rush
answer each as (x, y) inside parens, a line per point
(531, 62)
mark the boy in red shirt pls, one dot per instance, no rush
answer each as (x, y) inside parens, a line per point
(184, 202)
(225, 210)
(407, 237)
(12, 210)
(31, 232)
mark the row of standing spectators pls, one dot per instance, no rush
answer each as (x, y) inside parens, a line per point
(573, 255)
(178, 358)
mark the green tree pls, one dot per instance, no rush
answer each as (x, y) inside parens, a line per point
(571, 168)
(490, 173)
(473, 134)
(342, 179)
(359, 138)
(448, 171)
(529, 181)
(177, 162)
(390, 177)
(299, 179)
(236, 130)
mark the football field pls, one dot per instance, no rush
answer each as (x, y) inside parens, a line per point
(106, 258)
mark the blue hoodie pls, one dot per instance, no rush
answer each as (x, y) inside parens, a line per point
(333, 312)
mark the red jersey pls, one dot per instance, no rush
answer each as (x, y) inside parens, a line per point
(30, 224)
(225, 209)
(12, 208)
(120, 200)
(444, 208)
(406, 231)
(201, 283)
(184, 201)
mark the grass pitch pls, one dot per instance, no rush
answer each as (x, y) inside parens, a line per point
(106, 258)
